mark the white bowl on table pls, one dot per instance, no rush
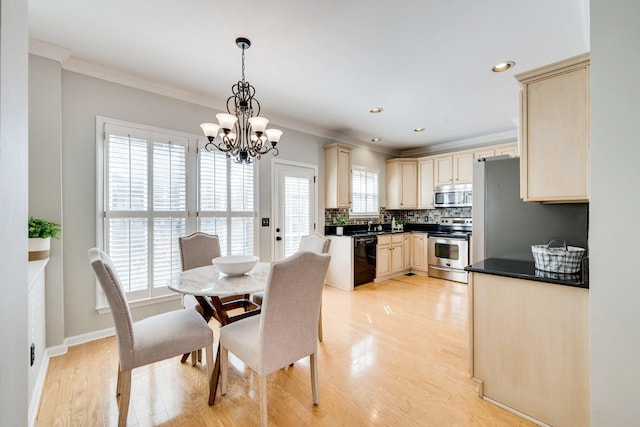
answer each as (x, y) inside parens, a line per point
(235, 265)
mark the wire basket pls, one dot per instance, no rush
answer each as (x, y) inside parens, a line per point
(557, 259)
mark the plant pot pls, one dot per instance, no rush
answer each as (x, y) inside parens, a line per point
(339, 230)
(39, 248)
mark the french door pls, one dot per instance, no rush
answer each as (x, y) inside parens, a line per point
(294, 206)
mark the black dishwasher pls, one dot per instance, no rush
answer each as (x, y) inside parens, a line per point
(364, 259)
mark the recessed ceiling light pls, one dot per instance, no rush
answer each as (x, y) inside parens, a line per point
(503, 66)
(376, 110)
(418, 130)
(376, 139)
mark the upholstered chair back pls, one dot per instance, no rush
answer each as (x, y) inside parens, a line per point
(107, 275)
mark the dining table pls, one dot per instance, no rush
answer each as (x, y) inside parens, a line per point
(208, 285)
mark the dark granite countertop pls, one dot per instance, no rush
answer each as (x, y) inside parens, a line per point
(526, 270)
(361, 229)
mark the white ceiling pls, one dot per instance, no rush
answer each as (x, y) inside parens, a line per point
(319, 66)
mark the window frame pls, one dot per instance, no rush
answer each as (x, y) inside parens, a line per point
(191, 214)
(368, 170)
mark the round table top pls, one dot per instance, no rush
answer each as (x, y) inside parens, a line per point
(209, 281)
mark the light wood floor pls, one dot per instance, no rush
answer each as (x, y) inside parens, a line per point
(394, 354)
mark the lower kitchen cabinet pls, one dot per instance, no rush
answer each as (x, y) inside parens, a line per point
(529, 347)
(340, 272)
(418, 244)
(390, 256)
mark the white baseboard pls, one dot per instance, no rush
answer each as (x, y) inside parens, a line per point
(59, 350)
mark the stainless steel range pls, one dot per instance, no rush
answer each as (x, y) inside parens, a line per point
(448, 249)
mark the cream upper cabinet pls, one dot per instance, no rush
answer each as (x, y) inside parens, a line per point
(507, 150)
(554, 132)
(483, 153)
(456, 168)
(337, 172)
(443, 170)
(425, 183)
(402, 184)
(463, 167)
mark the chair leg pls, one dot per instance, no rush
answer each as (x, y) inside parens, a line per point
(194, 357)
(314, 378)
(118, 382)
(209, 351)
(224, 367)
(125, 396)
(200, 355)
(264, 417)
(320, 325)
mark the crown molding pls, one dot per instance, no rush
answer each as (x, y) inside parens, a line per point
(463, 144)
(92, 69)
(49, 51)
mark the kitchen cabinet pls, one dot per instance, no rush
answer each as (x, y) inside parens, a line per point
(529, 347)
(554, 132)
(340, 271)
(509, 149)
(425, 183)
(419, 252)
(36, 330)
(406, 252)
(402, 184)
(337, 172)
(456, 168)
(390, 254)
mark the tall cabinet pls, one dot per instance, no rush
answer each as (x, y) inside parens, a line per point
(554, 132)
(337, 168)
(402, 183)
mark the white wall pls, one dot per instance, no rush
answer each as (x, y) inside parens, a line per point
(45, 176)
(82, 99)
(615, 198)
(14, 357)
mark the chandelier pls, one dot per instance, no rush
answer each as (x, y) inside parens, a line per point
(243, 133)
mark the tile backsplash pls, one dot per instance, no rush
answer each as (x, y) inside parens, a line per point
(418, 216)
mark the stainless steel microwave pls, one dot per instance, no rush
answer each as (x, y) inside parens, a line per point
(452, 196)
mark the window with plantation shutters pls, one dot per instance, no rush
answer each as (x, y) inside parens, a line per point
(156, 185)
(226, 202)
(364, 192)
(145, 208)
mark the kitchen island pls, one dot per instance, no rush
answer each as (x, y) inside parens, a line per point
(528, 341)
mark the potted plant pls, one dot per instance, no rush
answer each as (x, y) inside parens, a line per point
(40, 233)
(340, 222)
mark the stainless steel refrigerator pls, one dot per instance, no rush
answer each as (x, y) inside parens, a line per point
(504, 226)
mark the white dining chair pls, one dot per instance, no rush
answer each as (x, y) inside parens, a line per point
(197, 250)
(286, 330)
(149, 340)
(314, 242)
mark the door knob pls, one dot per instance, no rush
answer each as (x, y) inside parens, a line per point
(278, 238)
